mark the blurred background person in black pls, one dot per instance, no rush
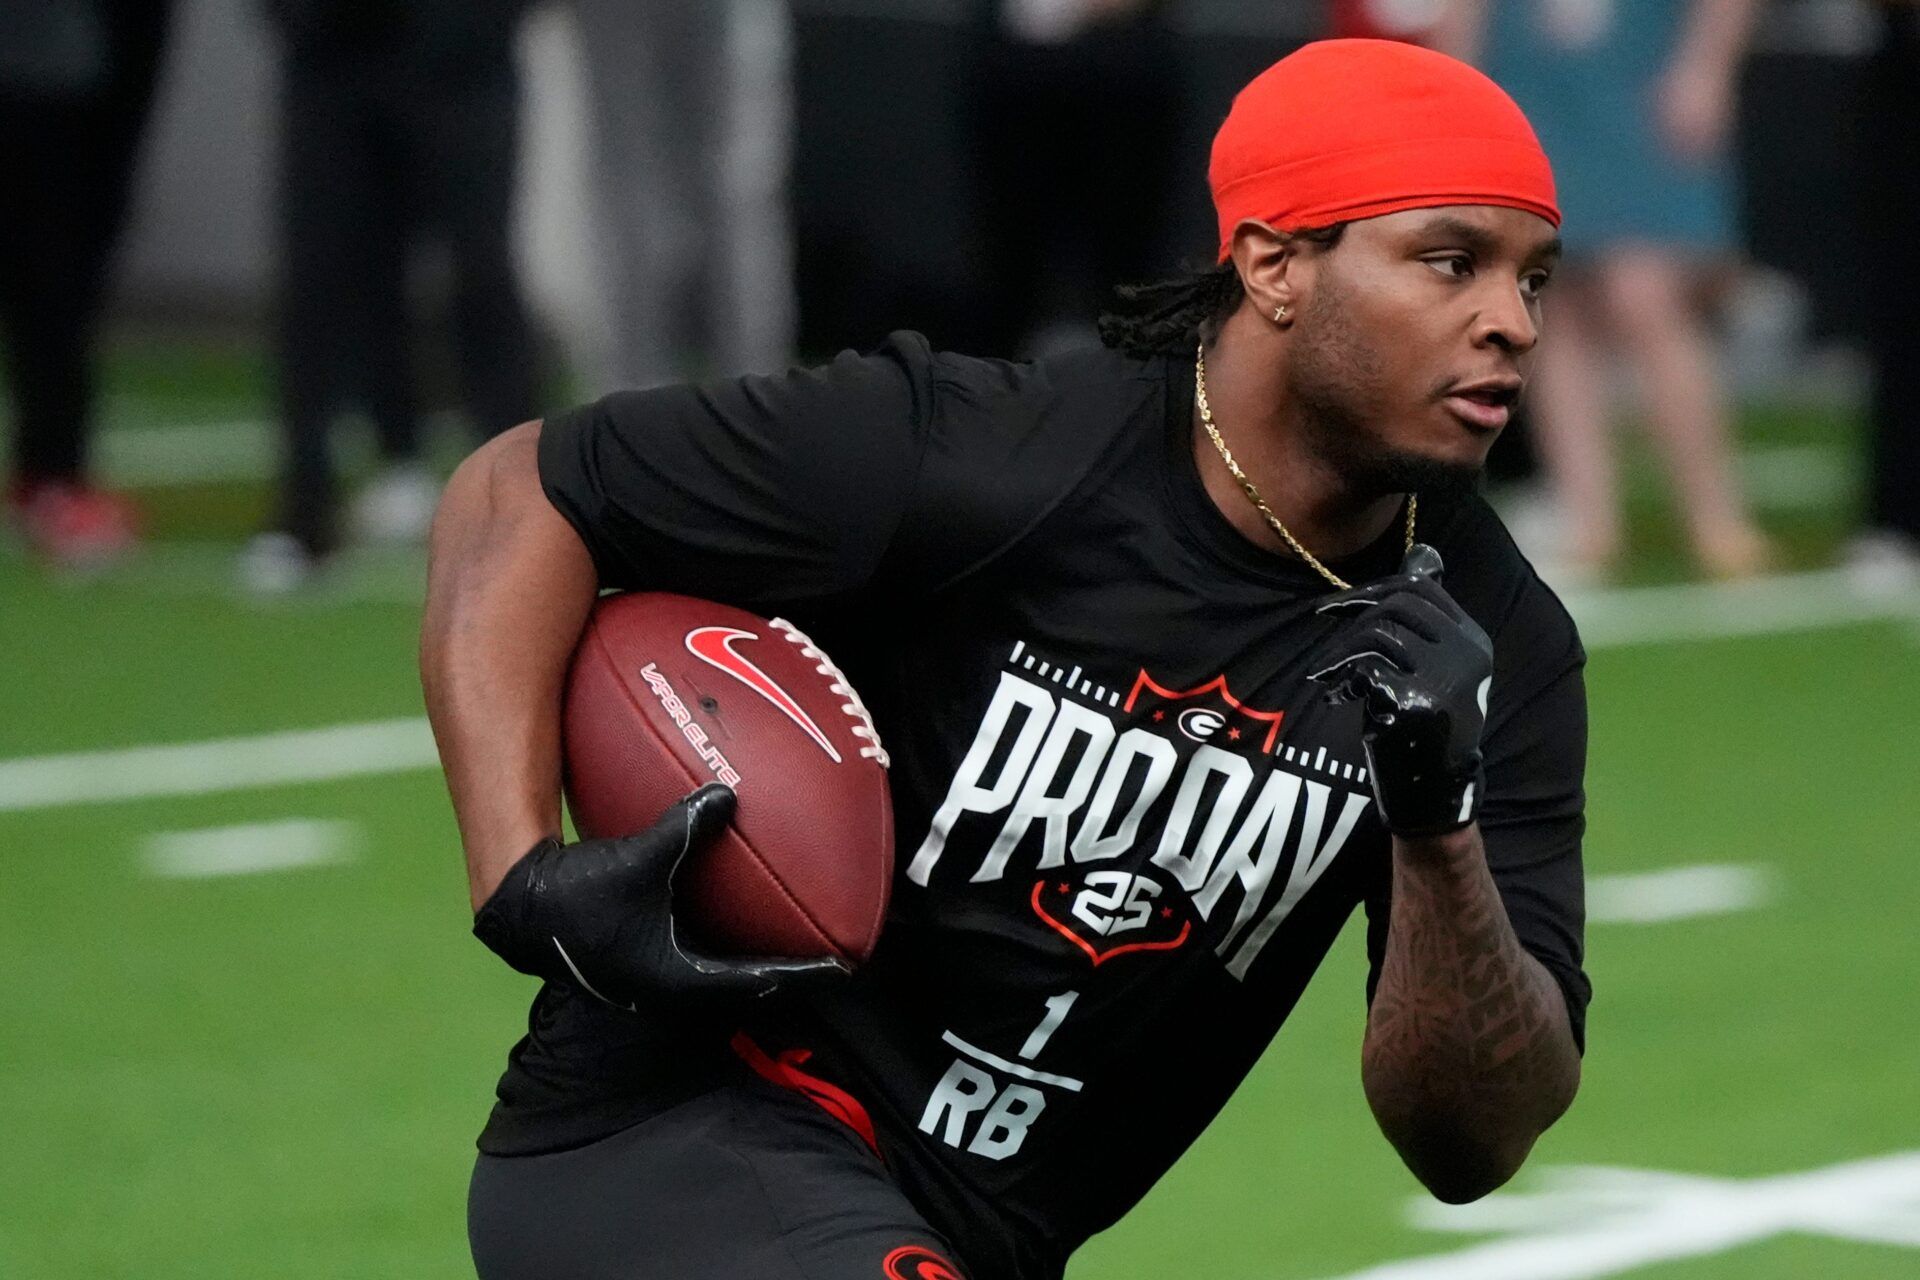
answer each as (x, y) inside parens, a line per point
(1075, 135)
(76, 85)
(1887, 551)
(690, 103)
(398, 125)
(1634, 100)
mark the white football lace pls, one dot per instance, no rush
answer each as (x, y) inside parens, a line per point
(863, 719)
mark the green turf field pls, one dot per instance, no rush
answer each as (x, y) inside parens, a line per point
(280, 1073)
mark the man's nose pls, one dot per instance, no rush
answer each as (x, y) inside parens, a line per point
(1507, 320)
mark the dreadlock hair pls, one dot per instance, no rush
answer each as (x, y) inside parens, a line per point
(1168, 317)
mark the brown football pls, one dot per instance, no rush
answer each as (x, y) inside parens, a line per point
(667, 693)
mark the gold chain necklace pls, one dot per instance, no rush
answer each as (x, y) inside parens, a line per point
(1253, 494)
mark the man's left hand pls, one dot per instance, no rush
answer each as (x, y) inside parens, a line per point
(1421, 669)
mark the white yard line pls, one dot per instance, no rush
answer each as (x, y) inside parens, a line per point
(405, 745)
(1619, 616)
(250, 848)
(1677, 893)
(222, 764)
(1588, 1223)
(1608, 619)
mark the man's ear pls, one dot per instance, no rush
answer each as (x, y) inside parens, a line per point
(1270, 270)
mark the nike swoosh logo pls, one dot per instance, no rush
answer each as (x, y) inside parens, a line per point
(714, 646)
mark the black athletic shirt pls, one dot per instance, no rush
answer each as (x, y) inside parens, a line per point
(1128, 826)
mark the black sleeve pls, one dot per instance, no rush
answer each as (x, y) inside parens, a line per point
(894, 473)
(1534, 814)
(758, 492)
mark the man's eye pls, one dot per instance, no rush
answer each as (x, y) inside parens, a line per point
(1456, 265)
(1534, 285)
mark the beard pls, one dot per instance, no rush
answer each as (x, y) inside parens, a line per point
(1373, 468)
(1336, 381)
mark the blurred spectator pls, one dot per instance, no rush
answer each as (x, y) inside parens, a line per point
(1076, 133)
(692, 118)
(1634, 100)
(398, 124)
(1888, 551)
(76, 85)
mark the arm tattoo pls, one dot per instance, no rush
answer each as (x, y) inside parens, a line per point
(1469, 1055)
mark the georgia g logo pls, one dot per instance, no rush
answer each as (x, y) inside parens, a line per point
(1213, 717)
(914, 1262)
(1201, 723)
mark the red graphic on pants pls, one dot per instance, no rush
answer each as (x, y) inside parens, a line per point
(916, 1262)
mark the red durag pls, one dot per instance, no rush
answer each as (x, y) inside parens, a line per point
(1348, 129)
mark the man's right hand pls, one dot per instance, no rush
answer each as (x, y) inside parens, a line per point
(599, 915)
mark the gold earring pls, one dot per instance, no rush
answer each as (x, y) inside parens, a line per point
(1280, 314)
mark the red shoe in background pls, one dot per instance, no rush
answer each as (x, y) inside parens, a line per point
(71, 525)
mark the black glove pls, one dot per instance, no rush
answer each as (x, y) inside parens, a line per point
(598, 915)
(1421, 669)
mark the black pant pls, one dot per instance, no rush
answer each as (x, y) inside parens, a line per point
(378, 155)
(66, 169)
(1892, 122)
(745, 1181)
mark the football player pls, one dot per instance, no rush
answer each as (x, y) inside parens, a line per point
(1183, 649)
